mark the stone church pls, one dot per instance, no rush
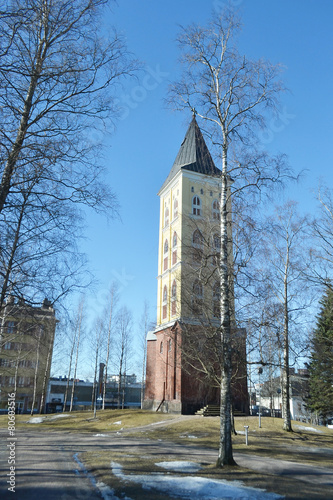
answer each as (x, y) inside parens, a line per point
(183, 350)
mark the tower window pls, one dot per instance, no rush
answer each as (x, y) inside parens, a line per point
(196, 206)
(174, 298)
(216, 210)
(165, 261)
(192, 189)
(161, 347)
(197, 242)
(175, 208)
(166, 217)
(165, 302)
(197, 298)
(201, 191)
(174, 248)
(216, 300)
(216, 249)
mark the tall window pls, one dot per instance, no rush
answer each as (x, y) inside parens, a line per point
(174, 298)
(166, 217)
(197, 298)
(165, 261)
(197, 243)
(174, 248)
(216, 210)
(175, 208)
(10, 326)
(216, 249)
(216, 300)
(196, 205)
(165, 302)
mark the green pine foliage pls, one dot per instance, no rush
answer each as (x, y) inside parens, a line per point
(321, 360)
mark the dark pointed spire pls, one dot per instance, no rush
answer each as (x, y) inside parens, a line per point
(193, 154)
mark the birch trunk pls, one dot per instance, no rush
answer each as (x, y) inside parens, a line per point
(285, 374)
(225, 456)
(77, 356)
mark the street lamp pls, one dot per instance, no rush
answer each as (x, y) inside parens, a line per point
(259, 373)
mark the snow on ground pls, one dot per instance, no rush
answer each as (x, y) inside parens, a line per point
(180, 466)
(311, 429)
(60, 415)
(192, 487)
(35, 420)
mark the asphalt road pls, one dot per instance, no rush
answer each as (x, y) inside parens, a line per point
(47, 466)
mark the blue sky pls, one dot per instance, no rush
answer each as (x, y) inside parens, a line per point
(296, 33)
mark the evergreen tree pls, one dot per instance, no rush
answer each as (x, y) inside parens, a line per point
(321, 360)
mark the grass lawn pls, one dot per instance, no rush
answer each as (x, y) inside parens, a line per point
(305, 444)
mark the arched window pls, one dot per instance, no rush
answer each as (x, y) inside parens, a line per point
(170, 345)
(161, 347)
(166, 217)
(174, 298)
(216, 249)
(165, 258)
(165, 302)
(175, 208)
(216, 210)
(197, 242)
(174, 248)
(197, 239)
(216, 300)
(197, 298)
(196, 205)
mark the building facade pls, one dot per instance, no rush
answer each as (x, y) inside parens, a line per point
(183, 350)
(26, 346)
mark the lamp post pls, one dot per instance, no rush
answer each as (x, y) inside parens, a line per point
(259, 373)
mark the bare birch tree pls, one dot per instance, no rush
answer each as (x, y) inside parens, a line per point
(285, 266)
(113, 298)
(123, 348)
(233, 95)
(78, 328)
(60, 76)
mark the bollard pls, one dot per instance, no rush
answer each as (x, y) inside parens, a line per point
(246, 427)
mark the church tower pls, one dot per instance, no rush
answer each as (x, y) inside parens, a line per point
(187, 282)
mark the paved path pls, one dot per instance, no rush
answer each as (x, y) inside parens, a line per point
(47, 468)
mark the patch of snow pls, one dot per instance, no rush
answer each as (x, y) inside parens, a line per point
(60, 415)
(180, 466)
(311, 429)
(117, 423)
(192, 487)
(107, 492)
(36, 420)
(101, 435)
(189, 436)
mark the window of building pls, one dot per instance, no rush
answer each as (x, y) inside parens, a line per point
(170, 345)
(10, 327)
(11, 380)
(216, 249)
(174, 298)
(197, 242)
(192, 189)
(201, 191)
(165, 302)
(166, 249)
(197, 298)
(216, 300)
(8, 346)
(196, 205)
(175, 208)
(216, 210)
(166, 217)
(174, 248)
(161, 347)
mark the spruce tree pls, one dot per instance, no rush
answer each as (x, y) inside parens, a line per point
(321, 360)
